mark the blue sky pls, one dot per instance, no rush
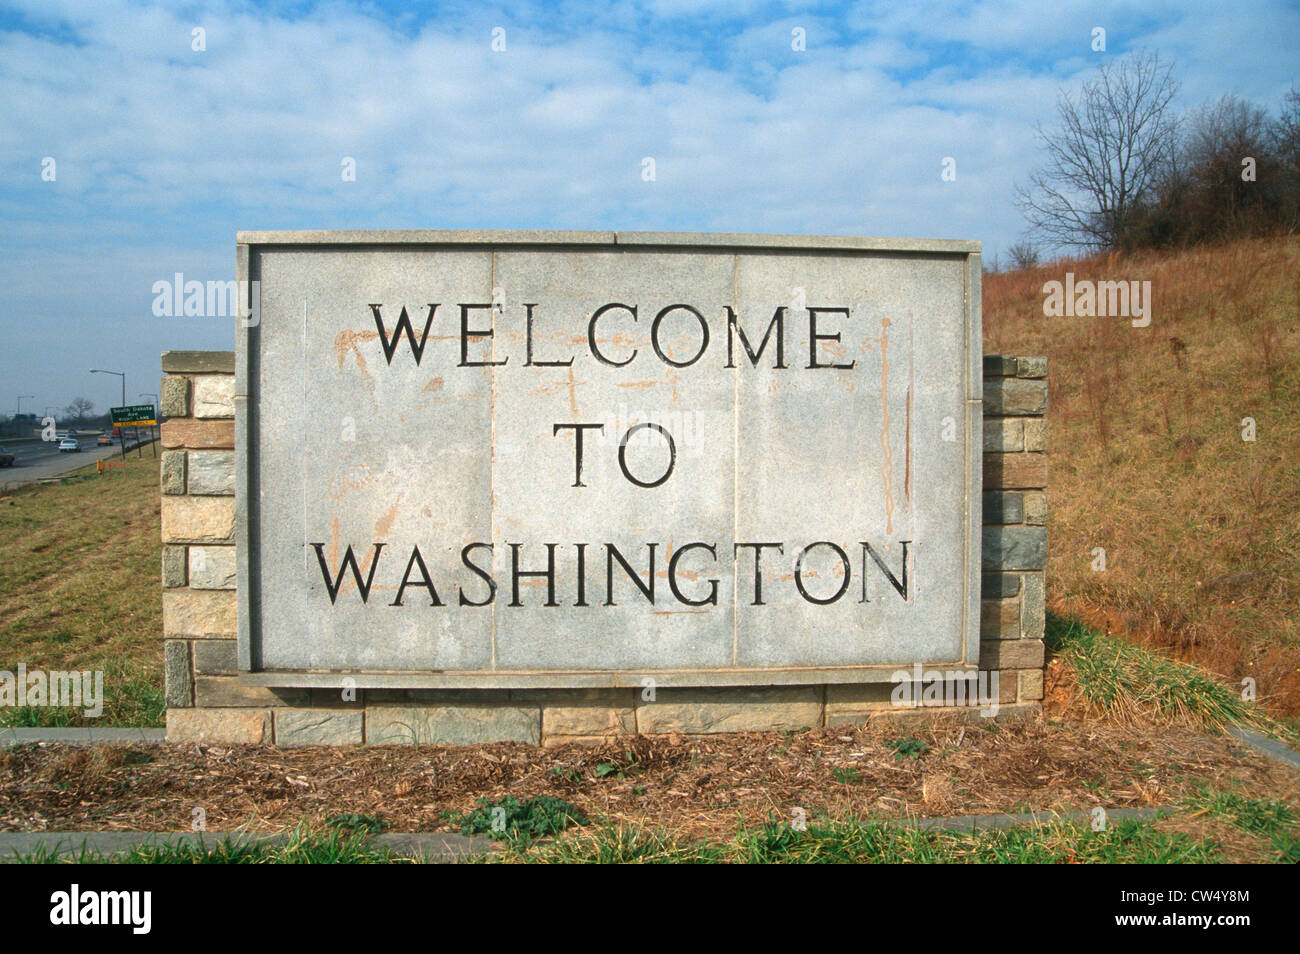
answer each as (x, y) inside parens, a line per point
(162, 152)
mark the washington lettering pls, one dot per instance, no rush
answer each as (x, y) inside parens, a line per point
(606, 574)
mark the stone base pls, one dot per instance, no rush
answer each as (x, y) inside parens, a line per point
(230, 726)
(594, 716)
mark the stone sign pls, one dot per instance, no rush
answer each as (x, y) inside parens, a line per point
(510, 460)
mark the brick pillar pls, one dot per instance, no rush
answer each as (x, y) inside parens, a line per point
(197, 396)
(1013, 590)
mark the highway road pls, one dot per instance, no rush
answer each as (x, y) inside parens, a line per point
(36, 459)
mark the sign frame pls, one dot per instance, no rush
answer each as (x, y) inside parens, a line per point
(250, 245)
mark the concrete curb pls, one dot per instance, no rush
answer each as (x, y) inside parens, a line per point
(81, 735)
(1272, 748)
(427, 847)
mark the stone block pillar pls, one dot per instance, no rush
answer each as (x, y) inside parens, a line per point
(1013, 591)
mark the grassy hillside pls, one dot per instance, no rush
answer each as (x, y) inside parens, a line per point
(1201, 529)
(80, 588)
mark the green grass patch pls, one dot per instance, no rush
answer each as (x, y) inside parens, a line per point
(1270, 819)
(620, 845)
(907, 747)
(628, 766)
(80, 589)
(1130, 683)
(849, 841)
(512, 820)
(823, 841)
(332, 847)
(368, 824)
(1256, 815)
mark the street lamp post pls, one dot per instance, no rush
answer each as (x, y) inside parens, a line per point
(120, 374)
(121, 434)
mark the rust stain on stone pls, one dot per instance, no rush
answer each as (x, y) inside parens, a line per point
(363, 559)
(346, 341)
(911, 387)
(907, 460)
(345, 485)
(887, 466)
(385, 523)
(555, 387)
(435, 384)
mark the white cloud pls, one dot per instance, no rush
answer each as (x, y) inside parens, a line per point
(161, 148)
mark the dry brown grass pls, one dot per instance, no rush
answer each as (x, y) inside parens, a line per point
(1201, 529)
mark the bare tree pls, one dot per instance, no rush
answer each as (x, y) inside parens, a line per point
(1286, 130)
(1221, 200)
(1113, 142)
(1231, 177)
(1286, 143)
(79, 409)
(1023, 255)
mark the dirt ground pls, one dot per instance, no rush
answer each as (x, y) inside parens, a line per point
(699, 786)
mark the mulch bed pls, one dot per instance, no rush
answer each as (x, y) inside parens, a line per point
(699, 786)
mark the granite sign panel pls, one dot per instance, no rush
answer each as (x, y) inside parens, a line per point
(576, 459)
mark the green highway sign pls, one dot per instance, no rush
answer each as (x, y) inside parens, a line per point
(135, 415)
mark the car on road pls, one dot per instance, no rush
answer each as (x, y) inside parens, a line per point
(104, 441)
(69, 444)
(6, 458)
